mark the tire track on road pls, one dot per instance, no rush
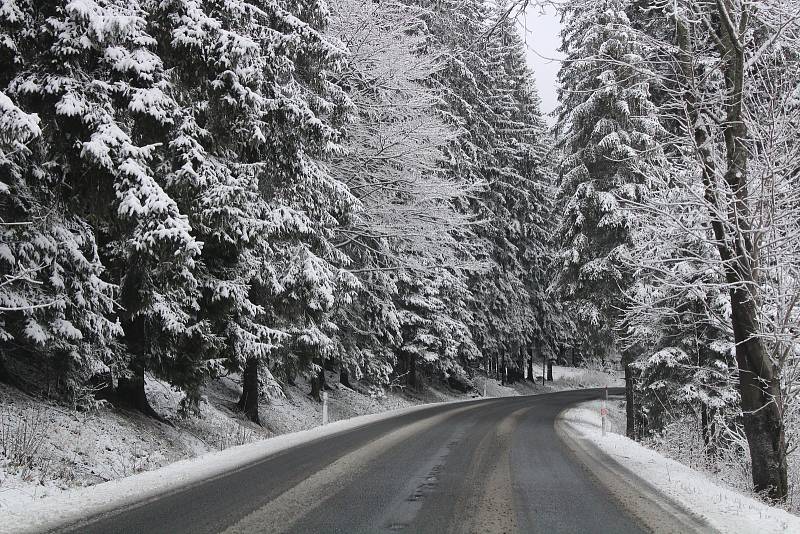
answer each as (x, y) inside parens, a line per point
(490, 505)
(280, 514)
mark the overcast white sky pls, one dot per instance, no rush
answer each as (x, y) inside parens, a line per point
(542, 39)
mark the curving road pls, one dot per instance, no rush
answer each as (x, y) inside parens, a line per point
(493, 465)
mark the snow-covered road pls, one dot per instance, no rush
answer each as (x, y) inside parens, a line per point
(493, 465)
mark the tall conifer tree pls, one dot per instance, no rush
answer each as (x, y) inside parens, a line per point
(607, 130)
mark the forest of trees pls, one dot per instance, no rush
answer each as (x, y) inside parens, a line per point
(269, 189)
(196, 188)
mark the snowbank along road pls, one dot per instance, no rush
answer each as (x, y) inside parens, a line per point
(494, 465)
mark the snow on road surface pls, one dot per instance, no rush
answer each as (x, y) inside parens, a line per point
(701, 503)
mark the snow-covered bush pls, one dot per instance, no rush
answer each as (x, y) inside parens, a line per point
(22, 437)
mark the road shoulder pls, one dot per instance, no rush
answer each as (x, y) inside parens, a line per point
(665, 495)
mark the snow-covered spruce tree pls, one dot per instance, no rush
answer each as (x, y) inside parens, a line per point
(301, 133)
(677, 322)
(54, 305)
(607, 131)
(435, 339)
(217, 76)
(489, 98)
(433, 309)
(258, 105)
(518, 196)
(89, 72)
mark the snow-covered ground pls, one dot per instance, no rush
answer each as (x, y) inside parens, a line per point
(67, 451)
(703, 499)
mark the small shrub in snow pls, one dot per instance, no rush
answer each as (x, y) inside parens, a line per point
(22, 437)
(131, 462)
(233, 435)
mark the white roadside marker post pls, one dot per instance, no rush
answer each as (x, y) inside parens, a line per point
(325, 408)
(604, 411)
(485, 380)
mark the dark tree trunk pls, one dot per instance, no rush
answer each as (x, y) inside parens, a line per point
(713, 443)
(251, 389)
(630, 407)
(712, 433)
(4, 376)
(549, 370)
(544, 369)
(290, 376)
(759, 381)
(344, 377)
(131, 393)
(412, 372)
(761, 397)
(318, 384)
(707, 429)
(530, 368)
(704, 426)
(130, 390)
(503, 371)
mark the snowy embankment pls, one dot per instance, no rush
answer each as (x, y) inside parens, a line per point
(667, 495)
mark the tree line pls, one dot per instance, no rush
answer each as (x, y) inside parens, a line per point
(270, 188)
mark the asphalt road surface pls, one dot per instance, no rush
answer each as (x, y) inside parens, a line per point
(493, 465)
